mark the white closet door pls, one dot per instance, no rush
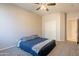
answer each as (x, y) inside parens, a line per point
(50, 29)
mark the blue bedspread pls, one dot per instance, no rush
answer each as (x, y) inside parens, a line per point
(28, 44)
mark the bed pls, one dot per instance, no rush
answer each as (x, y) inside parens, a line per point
(36, 45)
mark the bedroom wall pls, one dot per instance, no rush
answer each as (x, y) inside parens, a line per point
(62, 26)
(53, 26)
(16, 23)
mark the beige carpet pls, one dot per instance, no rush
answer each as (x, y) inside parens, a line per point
(61, 49)
(65, 49)
(14, 52)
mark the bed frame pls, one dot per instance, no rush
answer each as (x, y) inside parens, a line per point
(47, 48)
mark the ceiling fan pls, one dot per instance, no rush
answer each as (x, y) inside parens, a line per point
(44, 6)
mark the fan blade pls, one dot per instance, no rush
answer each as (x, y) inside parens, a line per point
(38, 8)
(51, 4)
(36, 3)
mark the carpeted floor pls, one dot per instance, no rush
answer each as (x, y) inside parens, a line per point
(65, 49)
(14, 52)
(61, 49)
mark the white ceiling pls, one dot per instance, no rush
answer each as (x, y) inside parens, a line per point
(59, 7)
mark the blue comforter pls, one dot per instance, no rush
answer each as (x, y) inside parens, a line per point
(28, 44)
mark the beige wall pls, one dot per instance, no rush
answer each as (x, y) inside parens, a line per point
(62, 26)
(16, 23)
(53, 26)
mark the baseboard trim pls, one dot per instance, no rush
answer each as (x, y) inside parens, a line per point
(7, 48)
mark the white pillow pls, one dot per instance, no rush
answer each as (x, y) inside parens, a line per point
(29, 38)
(19, 43)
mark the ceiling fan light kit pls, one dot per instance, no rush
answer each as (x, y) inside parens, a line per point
(44, 6)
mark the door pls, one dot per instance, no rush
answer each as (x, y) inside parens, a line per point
(72, 30)
(78, 31)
